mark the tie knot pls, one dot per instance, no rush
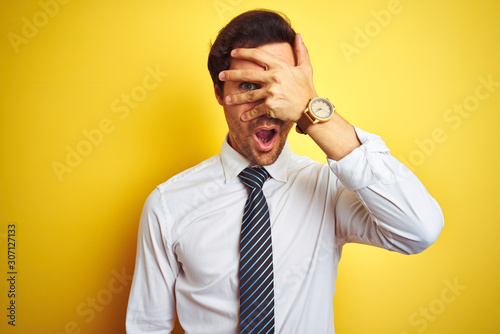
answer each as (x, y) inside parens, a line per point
(254, 177)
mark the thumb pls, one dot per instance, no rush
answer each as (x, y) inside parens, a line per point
(301, 51)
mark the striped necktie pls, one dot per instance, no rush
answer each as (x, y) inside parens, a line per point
(256, 258)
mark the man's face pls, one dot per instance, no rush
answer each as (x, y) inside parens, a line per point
(260, 140)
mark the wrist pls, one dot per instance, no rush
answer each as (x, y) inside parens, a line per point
(336, 138)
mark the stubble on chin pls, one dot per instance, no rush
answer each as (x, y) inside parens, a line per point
(264, 158)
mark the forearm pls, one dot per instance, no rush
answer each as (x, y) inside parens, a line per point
(337, 137)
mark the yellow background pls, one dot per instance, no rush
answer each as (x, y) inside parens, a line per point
(77, 232)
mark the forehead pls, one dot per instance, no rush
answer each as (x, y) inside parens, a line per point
(281, 50)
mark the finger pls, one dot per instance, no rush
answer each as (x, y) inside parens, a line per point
(301, 51)
(258, 56)
(257, 111)
(248, 75)
(247, 97)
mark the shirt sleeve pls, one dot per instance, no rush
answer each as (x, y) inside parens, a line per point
(382, 203)
(151, 305)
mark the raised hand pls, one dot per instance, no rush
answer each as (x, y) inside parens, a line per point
(284, 87)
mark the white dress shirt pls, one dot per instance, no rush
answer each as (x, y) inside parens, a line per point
(188, 245)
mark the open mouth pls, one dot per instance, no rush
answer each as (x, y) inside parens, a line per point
(265, 138)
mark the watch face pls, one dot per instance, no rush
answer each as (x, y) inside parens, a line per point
(321, 108)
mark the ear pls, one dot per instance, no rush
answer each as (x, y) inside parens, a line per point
(218, 95)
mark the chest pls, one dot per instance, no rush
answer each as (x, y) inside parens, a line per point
(207, 234)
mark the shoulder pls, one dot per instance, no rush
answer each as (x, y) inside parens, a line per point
(304, 165)
(189, 184)
(207, 168)
(183, 187)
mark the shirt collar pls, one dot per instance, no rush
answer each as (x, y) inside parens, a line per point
(233, 163)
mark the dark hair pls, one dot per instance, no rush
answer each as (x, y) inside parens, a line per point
(250, 29)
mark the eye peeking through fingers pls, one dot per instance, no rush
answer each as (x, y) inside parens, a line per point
(246, 86)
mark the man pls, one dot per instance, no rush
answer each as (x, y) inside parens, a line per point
(228, 256)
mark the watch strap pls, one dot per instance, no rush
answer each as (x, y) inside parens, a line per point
(304, 122)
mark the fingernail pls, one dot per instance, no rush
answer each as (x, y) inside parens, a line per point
(222, 76)
(243, 117)
(233, 52)
(228, 99)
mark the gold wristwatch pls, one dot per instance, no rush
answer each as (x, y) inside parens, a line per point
(319, 110)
